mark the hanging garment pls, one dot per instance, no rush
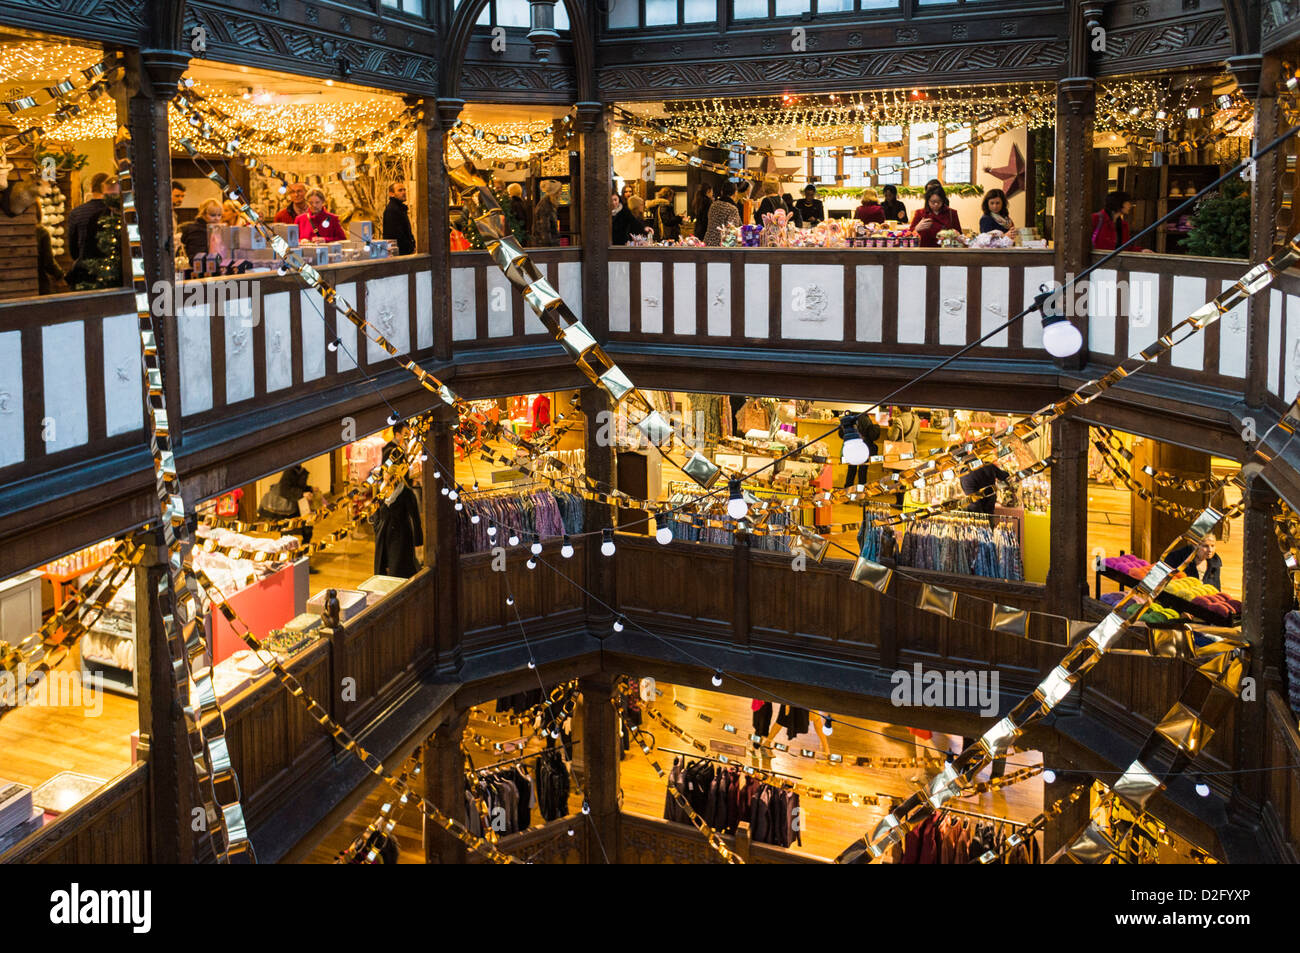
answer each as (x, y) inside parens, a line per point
(795, 721)
(762, 717)
(541, 412)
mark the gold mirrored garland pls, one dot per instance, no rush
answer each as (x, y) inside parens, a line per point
(103, 74)
(381, 828)
(59, 92)
(177, 594)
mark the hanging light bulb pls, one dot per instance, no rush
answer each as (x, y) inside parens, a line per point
(334, 345)
(424, 457)
(443, 491)
(532, 664)
(459, 507)
(510, 600)
(586, 808)
(532, 563)
(555, 732)
(536, 547)
(437, 474)
(393, 418)
(1202, 787)
(856, 452)
(618, 624)
(452, 494)
(1060, 337)
(514, 538)
(717, 679)
(566, 548)
(827, 726)
(607, 542)
(492, 531)
(663, 535)
(1049, 776)
(736, 505)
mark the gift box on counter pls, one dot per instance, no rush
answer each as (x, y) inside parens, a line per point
(288, 232)
(381, 585)
(361, 231)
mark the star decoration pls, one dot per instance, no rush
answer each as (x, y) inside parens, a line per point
(1012, 174)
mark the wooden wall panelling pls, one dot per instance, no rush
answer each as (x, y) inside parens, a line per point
(562, 841)
(683, 586)
(1282, 811)
(547, 603)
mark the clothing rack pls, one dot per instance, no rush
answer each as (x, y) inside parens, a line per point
(731, 763)
(983, 817)
(512, 488)
(523, 757)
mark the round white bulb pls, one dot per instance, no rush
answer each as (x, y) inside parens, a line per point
(532, 664)
(607, 548)
(333, 345)
(717, 679)
(424, 457)
(510, 600)
(664, 535)
(618, 625)
(570, 831)
(566, 551)
(437, 474)
(536, 548)
(473, 519)
(737, 508)
(451, 495)
(1061, 339)
(459, 507)
(586, 808)
(514, 540)
(532, 563)
(830, 730)
(856, 452)
(492, 530)
(1049, 776)
(1202, 789)
(444, 491)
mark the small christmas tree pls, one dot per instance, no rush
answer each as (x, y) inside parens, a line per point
(1221, 227)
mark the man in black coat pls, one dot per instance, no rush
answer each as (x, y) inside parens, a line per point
(398, 525)
(397, 222)
(979, 480)
(81, 220)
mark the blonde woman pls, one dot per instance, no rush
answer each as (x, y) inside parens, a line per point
(231, 215)
(870, 211)
(546, 217)
(194, 236)
(771, 200)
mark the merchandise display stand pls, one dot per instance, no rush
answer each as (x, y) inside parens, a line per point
(1169, 601)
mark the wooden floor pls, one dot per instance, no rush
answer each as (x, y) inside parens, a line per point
(830, 827)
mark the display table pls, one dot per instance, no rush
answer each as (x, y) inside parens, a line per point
(267, 604)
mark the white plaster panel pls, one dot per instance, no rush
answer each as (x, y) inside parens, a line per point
(717, 297)
(12, 449)
(1188, 295)
(1103, 310)
(278, 344)
(347, 331)
(652, 297)
(1232, 338)
(313, 337)
(620, 318)
(423, 310)
(683, 297)
(238, 327)
(194, 344)
(911, 304)
(123, 375)
(812, 302)
(952, 305)
(464, 311)
(388, 312)
(870, 318)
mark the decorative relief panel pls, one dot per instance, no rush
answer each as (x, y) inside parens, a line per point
(1203, 38)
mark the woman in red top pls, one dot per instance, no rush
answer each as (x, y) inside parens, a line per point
(870, 210)
(936, 216)
(317, 224)
(1109, 228)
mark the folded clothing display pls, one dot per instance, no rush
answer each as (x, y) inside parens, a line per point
(1152, 611)
(1180, 586)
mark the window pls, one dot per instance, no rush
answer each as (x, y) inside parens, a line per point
(756, 9)
(856, 169)
(513, 13)
(509, 13)
(923, 142)
(630, 14)
(792, 8)
(824, 166)
(956, 167)
(890, 134)
(415, 7)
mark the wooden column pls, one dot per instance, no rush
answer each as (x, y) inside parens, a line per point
(1266, 597)
(1067, 575)
(595, 188)
(740, 561)
(150, 81)
(1257, 75)
(433, 193)
(1154, 529)
(602, 750)
(163, 744)
(440, 537)
(1061, 830)
(1073, 188)
(444, 787)
(602, 573)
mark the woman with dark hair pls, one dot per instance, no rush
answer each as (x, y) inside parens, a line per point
(935, 217)
(700, 210)
(894, 210)
(996, 217)
(667, 223)
(1109, 226)
(721, 212)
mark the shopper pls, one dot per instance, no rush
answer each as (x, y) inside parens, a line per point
(290, 498)
(721, 212)
(894, 210)
(935, 217)
(869, 431)
(630, 221)
(979, 481)
(904, 425)
(546, 217)
(318, 224)
(667, 223)
(870, 211)
(231, 214)
(81, 220)
(770, 201)
(397, 220)
(626, 194)
(1110, 227)
(518, 207)
(744, 204)
(178, 200)
(194, 236)
(996, 217)
(398, 526)
(810, 208)
(297, 196)
(700, 210)
(1204, 565)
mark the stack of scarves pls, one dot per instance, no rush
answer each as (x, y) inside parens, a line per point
(1180, 586)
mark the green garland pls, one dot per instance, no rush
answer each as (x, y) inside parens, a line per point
(960, 189)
